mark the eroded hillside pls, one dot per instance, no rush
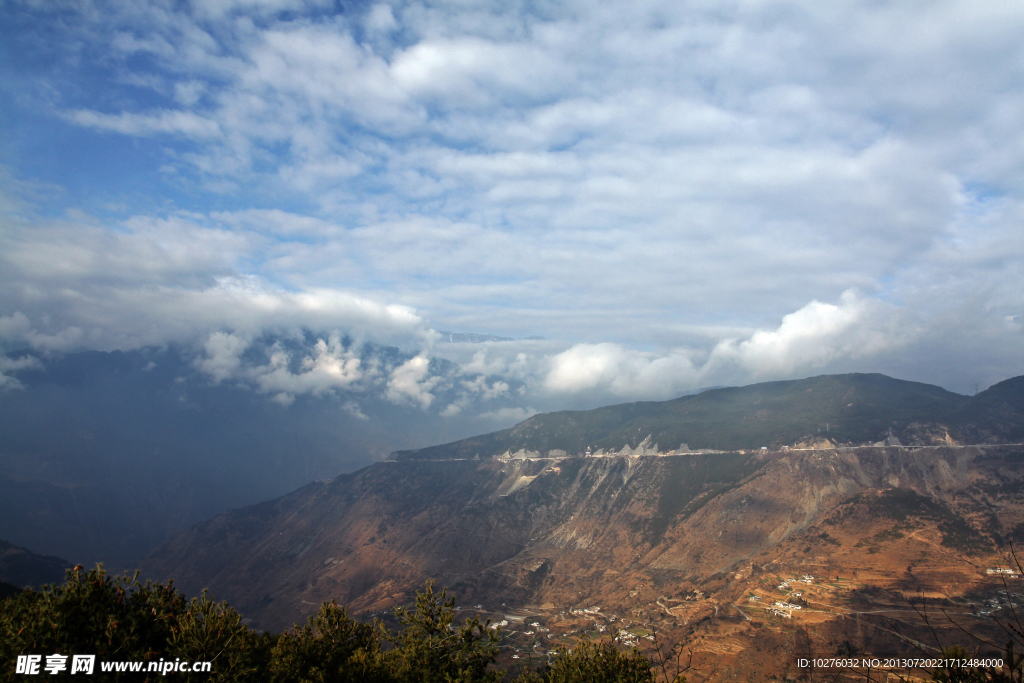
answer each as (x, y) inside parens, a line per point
(634, 535)
(850, 496)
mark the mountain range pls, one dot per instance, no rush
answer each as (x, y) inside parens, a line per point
(855, 409)
(885, 488)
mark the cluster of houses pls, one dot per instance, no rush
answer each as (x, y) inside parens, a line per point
(785, 609)
(586, 610)
(1003, 571)
(806, 578)
(626, 638)
(1000, 602)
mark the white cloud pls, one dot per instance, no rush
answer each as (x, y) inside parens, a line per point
(409, 383)
(672, 178)
(620, 371)
(353, 409)
(284, 399)
(73, 283)
(17, 328)
(818, 335)
(508, 415)
(479, 386)
(453, 409)
(223, 351)
(482, 365)
(330, 367)
(475, 390)
(381, 18)
(11, 365)
(164, 122)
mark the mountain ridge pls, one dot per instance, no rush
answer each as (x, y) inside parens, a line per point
(22, 567)
(852, 409)
(679, 542)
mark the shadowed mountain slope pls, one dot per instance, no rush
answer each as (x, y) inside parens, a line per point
(996, 415)
(104, 455)
(21, 567)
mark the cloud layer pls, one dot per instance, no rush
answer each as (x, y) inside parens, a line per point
(674, 195)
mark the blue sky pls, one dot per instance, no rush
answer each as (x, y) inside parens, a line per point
(673, 195)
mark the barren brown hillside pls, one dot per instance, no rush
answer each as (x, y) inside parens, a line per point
(696, 546)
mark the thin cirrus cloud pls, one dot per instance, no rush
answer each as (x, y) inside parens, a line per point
(166, 122)
(675, 196)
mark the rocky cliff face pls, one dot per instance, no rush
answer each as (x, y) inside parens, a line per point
(624, 532)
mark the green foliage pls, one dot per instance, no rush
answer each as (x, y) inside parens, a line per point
(431, 648)
(121, 619)
(993, 416)
(91, 613)
(595, 663)
(330, 648)
(208, 631)
(333, 648)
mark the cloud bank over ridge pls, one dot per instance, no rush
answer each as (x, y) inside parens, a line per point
(674, 196)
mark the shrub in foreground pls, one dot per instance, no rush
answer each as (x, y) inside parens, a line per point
(120, 619)
(597, 663)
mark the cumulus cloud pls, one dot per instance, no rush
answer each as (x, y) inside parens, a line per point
(284, 366)
(475, 391)
(479, 386)
(514, 363)
(410, 384)
(620, 371)
(223, 355)
(331, 366)
(17, 329)
(678, 195)
(817, 335)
